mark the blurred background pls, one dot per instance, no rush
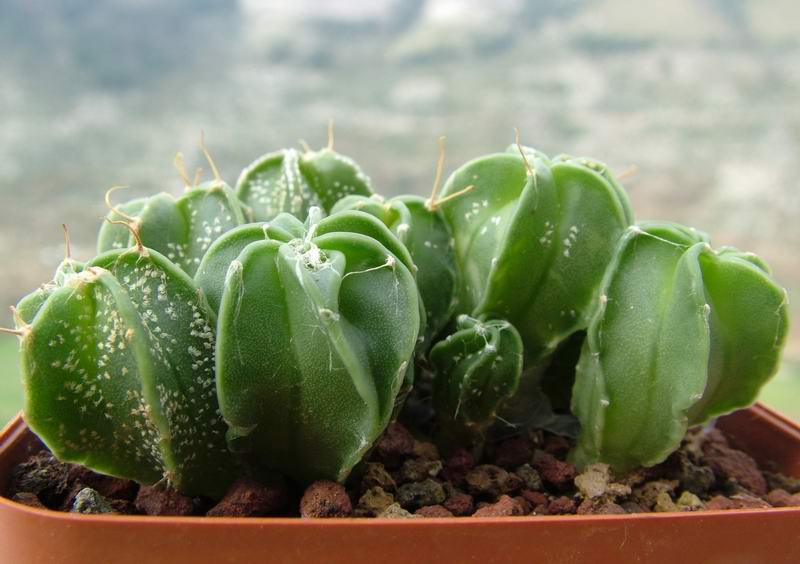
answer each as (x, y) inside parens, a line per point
(701, 96)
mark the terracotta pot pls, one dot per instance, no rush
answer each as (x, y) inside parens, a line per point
(749, 536)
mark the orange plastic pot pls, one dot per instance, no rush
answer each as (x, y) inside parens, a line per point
(30, 535)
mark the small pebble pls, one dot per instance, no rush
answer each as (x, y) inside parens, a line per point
(782, 498)
(556, 473)
(689, 502)
(374, 502)
(159, 500)
(90, 502)
(487, 480)
(561, 506)
(418, 469)
(433, 511)
(426, 450)
(325, 499)
(460, 504)
(513, 452)
(736, 502)
(248, 497)
(458, 466)
(395, 444)
(29, 499)
(530, 477)
(394, 511)
(419, 494)
(728, 463)
(375, 475)
(505, 507)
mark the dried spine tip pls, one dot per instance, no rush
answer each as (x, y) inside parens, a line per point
(198, 174)
(452, 196)
(116, 210)
(180, 166)
(431, 203)
(628, 172)
(24, 327)
(330, 134)
(208, 157)
(522, 152)
(134, 231)
(67, 244)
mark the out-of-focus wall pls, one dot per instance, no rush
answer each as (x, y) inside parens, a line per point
(700, 95)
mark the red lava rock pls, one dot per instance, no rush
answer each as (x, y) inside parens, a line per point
(782, 498)
(556, 445)
(733, 464)
(426, 450)
(248, 497)
(600, 507)
(535, 498)
(43, 475)
(778, 481)
(376, 475)
(433, 511)
(513, 452)
(325, 499)
(458, 466)
(554, 472)
(505, 507)
(394, 445)
(633, 507)
(487, 480)
(107, 486)
(29, 499)
(157, 500)
(715, 436)
(561, 506)
(526, 505)
(460, 504)
(736, 502)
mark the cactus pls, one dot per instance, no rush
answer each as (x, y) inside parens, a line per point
(680, 333)
(118, 368)
(317, 327)
(182, 229)
(293, 182)
(418, 223)
(532, 241)
(477, 368)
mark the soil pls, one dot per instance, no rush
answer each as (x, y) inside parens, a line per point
(407, 478)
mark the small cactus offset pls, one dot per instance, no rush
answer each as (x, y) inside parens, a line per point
(680, 333)
(292, 181)
(182, 229)
(477, 368)
(118, 367)
(317, 328)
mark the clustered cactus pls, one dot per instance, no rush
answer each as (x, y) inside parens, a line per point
(279, 325)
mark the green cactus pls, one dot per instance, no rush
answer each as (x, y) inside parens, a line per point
(293, 182)
(118, 368)
(532, 241)
(680, 334)
(418, 223)
(181, 228)
(477, 368)
(316, 332)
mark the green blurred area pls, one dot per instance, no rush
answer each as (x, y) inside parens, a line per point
(781, 393)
